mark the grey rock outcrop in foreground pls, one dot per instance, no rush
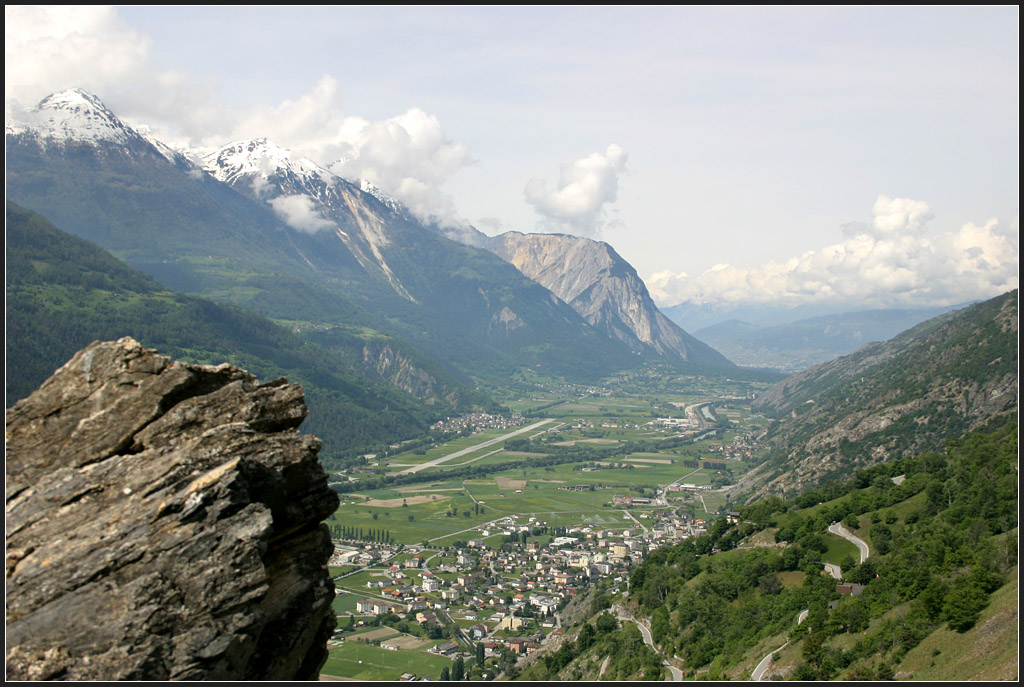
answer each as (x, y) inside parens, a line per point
(163, 522)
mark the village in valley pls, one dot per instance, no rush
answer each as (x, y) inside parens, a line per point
(473, 562)
(505, 597)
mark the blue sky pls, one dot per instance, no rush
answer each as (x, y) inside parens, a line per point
(864, 155)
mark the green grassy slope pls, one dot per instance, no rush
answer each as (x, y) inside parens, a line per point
(943, 561)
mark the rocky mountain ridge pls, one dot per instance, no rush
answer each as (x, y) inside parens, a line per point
(892, 399)
(605, 289)
(310, 199)
(163, 523)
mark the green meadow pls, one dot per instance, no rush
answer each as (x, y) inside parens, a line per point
(360, 661)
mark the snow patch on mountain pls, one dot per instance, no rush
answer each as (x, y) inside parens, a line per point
(308, 198)
(366, 187)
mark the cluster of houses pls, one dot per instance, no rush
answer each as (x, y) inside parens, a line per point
(479, 421)
(508, 586)
(675, 423)
(578, 390)
(510, 590)
(688, 487)
(740, 448)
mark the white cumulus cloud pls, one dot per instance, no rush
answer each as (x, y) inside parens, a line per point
(52, 48)
(577, 203)
(299, 212)
(888, 263)
(408, 157)
(896, 215)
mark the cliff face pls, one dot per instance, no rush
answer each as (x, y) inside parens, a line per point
(163, 522)
(605, 290)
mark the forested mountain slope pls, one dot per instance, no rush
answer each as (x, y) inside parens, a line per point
(942, 537)
(64, 292)
(891, 399)
(934, 599)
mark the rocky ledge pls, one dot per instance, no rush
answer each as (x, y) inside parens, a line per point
(163, 523)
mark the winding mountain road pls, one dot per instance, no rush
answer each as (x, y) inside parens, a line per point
(835, 571)
(758, 673)
(862, 546)
(676, 674)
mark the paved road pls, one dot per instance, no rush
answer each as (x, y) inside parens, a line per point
(676, 674)
(640, 524)
(465, 451)
(758, 673)
(862, 546)
(833, 570)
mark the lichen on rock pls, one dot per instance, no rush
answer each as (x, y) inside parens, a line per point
(163, 522)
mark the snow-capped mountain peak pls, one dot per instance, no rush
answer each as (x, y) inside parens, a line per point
(73, 115)
(73, 99)
(262, 158)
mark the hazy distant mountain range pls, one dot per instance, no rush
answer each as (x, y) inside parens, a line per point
(799, 344)
(255, 225)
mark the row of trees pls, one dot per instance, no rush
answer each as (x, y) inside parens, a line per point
(347, 533)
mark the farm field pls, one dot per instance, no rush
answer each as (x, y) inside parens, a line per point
(566, 472)
(448, 510)
(361, 661)
(445, 510)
